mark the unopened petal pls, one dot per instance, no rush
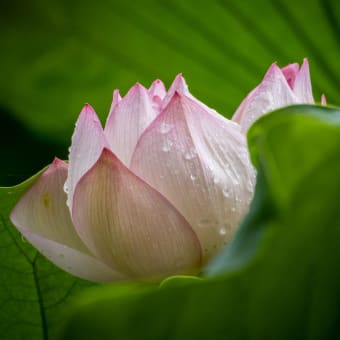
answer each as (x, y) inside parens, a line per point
(44, 220)
(290, 72)
(303, 85)
(129, 225)
(88, 141)
(273, 93)
(178, 85)
(201, 165)
(116, 98)
(128, 120)
(157, 89)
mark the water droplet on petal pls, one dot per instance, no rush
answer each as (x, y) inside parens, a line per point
(193, 177)
(216, 180)
(165, 128)
(238, 199)
(190, 154)
(167, 146)
(226, 192)
(223, 231)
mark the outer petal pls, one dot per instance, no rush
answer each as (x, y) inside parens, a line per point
(180, 86)
(303, 85)
(130, 225)
(201, 165)
(88, 141)
(43, 218)
(273, 93)
(128, 120)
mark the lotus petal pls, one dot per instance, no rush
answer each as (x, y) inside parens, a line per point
(273, 93)
(44, 220)
(131, 226)
(201, 165)
(88, 141)
(128, 120)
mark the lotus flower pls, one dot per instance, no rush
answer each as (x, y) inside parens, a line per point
(157, 192)
(280, 87)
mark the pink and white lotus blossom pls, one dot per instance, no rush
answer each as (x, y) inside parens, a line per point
(157, 192)
(280, 87)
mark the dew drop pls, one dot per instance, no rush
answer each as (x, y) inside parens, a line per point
(167, 146)
(226, 192)
(223, 231)
(66, 188)
(190, 154)
(193, 177)
(165, 128)
(23, 239)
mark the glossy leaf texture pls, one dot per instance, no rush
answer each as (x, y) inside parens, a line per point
(32, 290)
(280, 276)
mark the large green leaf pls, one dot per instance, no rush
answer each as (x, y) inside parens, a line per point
(59, 54)
(56, 55)
(32, 290)
(279, 279)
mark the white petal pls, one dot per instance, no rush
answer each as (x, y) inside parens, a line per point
(116, 98)
(273, 93)
(129, 225)
(200, 164)
(303, 85)
(128, 120)
(43, 218)
(178, 85)
(73, 261)
(88, 141)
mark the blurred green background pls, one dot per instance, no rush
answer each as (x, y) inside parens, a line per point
(57, 55)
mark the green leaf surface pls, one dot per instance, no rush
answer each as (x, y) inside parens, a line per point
(32, 290)
(286, 286)
(61, 54)
(57, 55)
